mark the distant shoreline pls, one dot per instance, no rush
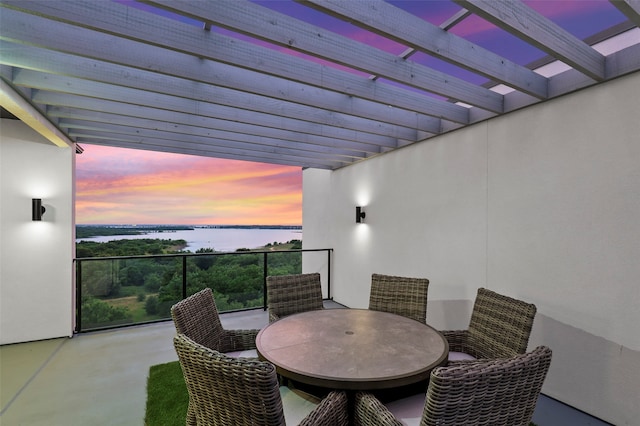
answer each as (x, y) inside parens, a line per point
(186, 227)
(87, 231)
(250, 226)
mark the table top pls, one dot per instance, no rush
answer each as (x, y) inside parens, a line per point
(356, 349)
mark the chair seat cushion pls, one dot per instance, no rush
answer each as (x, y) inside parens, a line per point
(460, 356)
(296, 404)
(249, 353)
(408, 410)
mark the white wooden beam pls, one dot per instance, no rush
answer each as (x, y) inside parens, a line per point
(214, 151)
(265, 24)
(97, 71)
(218, 138)
(13, 102)
(630, 8)
(44, 60)
(218, 129)
(457, 17)
(520, 20)
(100, 92)
(179, 50)
(144, 137)
(403, 27)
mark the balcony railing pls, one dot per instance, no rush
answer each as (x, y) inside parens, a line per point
(130, 290)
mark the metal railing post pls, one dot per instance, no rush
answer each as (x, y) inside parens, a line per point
(78, 296)
(184, 277)
(329, 274)
(265, 271)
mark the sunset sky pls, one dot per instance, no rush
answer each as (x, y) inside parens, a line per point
(125, 186)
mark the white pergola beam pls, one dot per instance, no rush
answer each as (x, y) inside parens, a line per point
(265, 24)
(231, 147)
(94, 71)
(520, 20)
(382, 18)
(630, 8)
(222, 139)
(321, 105)
(111, 73)
(100, 92)
(212, 151)
(70, 117)
(179, 50)
(60, 105)
(13, 102)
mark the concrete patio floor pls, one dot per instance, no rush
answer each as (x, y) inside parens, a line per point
(100, 378)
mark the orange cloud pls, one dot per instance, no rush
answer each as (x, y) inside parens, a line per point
(123, 186)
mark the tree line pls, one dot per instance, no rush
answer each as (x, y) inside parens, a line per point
(141, 247)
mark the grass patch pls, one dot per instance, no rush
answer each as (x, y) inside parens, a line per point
(129, 302)
(167, 397)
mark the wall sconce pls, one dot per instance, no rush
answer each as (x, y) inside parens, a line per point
(360, 215)
(37, 209)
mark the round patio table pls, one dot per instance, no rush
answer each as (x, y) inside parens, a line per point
(352, 349)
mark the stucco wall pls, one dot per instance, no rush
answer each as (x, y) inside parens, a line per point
(36, 258)
(541, 204)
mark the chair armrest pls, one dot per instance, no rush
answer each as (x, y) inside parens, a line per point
(332, 411)
(457, 340)
(369, 411)
(238, 340)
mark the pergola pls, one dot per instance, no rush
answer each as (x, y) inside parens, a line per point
(316, 83)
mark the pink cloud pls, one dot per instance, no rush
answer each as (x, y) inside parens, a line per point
(128, 186)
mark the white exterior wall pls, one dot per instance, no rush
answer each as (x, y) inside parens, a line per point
(542, 204)
(36, 270)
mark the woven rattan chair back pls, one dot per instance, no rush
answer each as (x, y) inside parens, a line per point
(197, 318)
(500, 325)
(228, 391)
(399, 295)
(500, 392)
(291, 294)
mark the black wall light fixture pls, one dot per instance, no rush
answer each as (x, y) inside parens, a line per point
(37, 209)
(360, 214)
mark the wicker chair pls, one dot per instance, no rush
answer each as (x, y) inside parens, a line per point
(399, 295)
(239, 391)
(197, 317)
(499, 328)
(500, 392)
(290, 294)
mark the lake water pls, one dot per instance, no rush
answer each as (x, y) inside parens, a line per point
(219, 239)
